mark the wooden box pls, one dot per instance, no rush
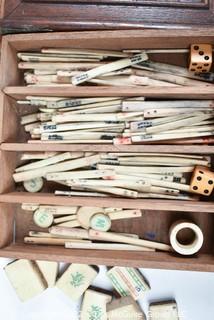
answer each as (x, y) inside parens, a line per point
(50, 15)
(158, 214)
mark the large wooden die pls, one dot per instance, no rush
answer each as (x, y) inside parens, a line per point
(200, 58)
(202, 181)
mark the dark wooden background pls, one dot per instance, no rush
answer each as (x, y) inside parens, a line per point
(49, 15)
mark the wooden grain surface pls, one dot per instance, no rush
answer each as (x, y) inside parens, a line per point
(157, 260)
(197, 149)
(153, 225)
(26, 16)
(205, 92)
(146, 204)
(7, 216)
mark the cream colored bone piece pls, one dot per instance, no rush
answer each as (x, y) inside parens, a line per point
(110, 236)
(38, 234)
(73, 233)
(37, 155)
(59, 210)
(94, 52)
(43, 219)
(163, 311)
(26, 279)
(100, 222)
(83, 174)
(69, 224)
(30, 118)
(142, 185)
(113, 190)
(47, 162)
(125, 214)
(169, 136)
(79, 126)
(49, 269)
(168, 78)
(65, 166)
(33, 185)
(194, 245)
(80, 193)
(147, 81)
(84, 214)
(65, 219)
(147, 169)
(76, 279)
(136, 106)
(128, 282)
(105, 246)
(110, 67)
(63, 118)
(177, 124)
(94, 305)
(76, 103)
(75, 66)
(124, 308)
(30, 206)
(50, 241)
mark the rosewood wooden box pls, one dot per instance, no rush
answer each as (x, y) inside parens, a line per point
(158, 214)
(50, 15)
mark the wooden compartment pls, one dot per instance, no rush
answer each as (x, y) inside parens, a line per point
(11, 192)
(153, 225)
(12, 77)
(11, 130)
(158, 213)
(10, 113)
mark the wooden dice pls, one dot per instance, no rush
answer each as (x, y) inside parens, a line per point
(202, 181)
(200, 58)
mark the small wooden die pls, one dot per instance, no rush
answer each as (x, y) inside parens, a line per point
(202, 181)
(200, 58)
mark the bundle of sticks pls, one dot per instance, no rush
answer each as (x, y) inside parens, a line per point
(78, 232)
(71, 67)
(130, 175)
(119, 120)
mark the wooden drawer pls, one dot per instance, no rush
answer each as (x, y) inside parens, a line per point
(12, 82)
(16, 224)
(158, 213)
(10, 159)
(13, 132)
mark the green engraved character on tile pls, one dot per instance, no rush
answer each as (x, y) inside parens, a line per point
(95, 313)
(43, 217)
(100, 223)
(77, 279)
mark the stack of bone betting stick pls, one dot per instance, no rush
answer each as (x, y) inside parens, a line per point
(71, 67)
(73, 228)
(119, 120)
(129, 175)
